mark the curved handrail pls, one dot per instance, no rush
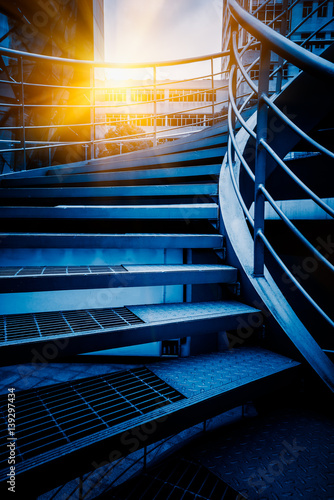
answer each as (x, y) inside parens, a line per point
(97, 64)
(243, 227)
(206, 107)
(284, 47)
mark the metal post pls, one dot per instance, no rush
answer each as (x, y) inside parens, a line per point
(234, 29)
(283, 31)
(155, 104)
(23, 131)
(260, 160)
(92, 114)
(213, 93)
(50, 156)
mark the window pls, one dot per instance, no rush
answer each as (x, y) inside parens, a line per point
(307, 8)
(319, 36)
(186, 95)
(322, 12)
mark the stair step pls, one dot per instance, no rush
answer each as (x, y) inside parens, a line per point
(208, 189)
(201, 155)
(128, 240)
(28, 278)
(72, 427)
(25, 336)
(168, 149)
(298, 210)
(184, 211)
(125, 175)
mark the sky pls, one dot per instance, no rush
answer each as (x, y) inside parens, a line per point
(155, 30)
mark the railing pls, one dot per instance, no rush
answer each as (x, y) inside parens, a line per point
(83, 98)
(271, 42)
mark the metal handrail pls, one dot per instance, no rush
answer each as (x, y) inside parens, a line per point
(293, 279)
(89, 92)
(294, 230)
(135, 65)
(304, 60)
(284, 47)
(300, 183)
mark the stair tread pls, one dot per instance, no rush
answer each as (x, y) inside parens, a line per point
(45, 271)
(299, 209)
(95, 240)
(178, 392)
(172, 158)
(110, 191)
(179, 211)
(50, 278)
(155, 313)
(124, 175)
(87, 330)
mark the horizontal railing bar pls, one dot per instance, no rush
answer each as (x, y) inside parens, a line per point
(241, 158)
(320, 4)
(298, 181)
(296, 129)
(134, 137)
(304, 42)
(293, 228)
(164, 83)
(148, 64)
(106, 105)
(125, 120)
(237, 192)
(293, 279)
(94, 88)
(139, 103)
(50, 85)
(240, 65)
(284, 47)
(11, 105)
(235, 108)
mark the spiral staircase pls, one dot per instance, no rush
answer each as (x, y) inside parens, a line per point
(177, 219)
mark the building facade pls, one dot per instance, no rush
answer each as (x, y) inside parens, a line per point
(181, 107)
(65, 29)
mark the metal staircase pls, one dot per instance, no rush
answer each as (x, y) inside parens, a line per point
(72, 232)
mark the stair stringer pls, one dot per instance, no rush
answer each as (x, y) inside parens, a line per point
(263, 292)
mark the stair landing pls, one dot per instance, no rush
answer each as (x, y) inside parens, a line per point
(161, 398)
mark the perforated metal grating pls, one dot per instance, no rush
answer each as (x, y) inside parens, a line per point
(53, 416)
(28, 326)
(9, 272)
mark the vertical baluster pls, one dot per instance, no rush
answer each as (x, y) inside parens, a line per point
(260, 160)
(23, 132)
(283, 31)
(155, 104)
(213, 93)
(92, 113)
(233, 32)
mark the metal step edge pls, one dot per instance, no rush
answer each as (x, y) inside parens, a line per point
(183, 211)
(125, 175)
(133, 276)
(160, 322)
(110, 191)
(128, 240)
